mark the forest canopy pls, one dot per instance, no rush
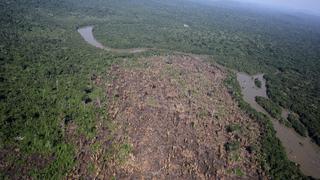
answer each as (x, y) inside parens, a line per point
(46, 68)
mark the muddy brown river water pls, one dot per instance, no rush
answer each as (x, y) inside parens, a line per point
(299, 149)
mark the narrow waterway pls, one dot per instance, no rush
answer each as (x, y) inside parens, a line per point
(299, 149)
(87, 34)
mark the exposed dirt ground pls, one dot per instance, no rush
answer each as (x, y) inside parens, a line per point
(178, 121)
(16, 171)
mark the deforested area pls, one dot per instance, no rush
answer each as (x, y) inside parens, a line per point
(149, 90)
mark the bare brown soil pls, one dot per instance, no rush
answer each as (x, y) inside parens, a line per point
(14, 170)
(172, 115)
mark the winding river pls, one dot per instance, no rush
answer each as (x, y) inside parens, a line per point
(87, 35)
(299, 149)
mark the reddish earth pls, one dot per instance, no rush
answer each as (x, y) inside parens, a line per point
(171, 117)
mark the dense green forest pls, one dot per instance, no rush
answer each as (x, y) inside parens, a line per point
(275, 112)
(296, 124)
(46, 68)
(273, 157)
(46, 72)
(272, 108)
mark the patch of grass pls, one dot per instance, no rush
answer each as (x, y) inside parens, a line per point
(234, 157)
(91, 168)
(123, 152)
(111, 126)
(63, 161)
(238, 172)
(96, 147)
(232, 146)
(235, 128)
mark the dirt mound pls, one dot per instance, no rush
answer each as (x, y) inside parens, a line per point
(178, 121)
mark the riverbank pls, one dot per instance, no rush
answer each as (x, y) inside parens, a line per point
(300, 150)
(290, 140)
(86, 33)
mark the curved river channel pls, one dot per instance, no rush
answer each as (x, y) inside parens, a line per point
(87, 35)
(299, 149)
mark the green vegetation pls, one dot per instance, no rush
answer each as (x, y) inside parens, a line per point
(257, 82)
(235, 128)
(238, 172)
(91, 168)
(118, 153)
(232, 146)
(47, 71)
(300, 94)
(285, 122)
(46, 85)
(296, 124)
(273, 109)
(273, 157)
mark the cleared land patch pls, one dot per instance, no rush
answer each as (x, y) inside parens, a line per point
(177, 120)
